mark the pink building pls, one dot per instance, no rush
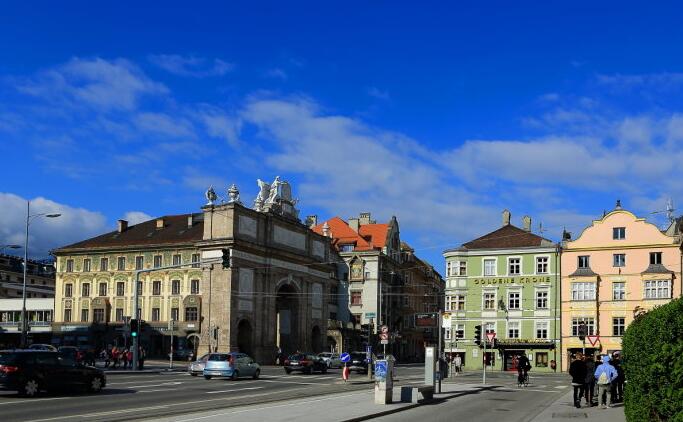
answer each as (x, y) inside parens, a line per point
(619, 266)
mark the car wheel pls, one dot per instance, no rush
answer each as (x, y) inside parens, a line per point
(207, 377)
(193, 374)
(288, 371)
(30, 388)
(234, 376)
(95, 385)
(257, 374)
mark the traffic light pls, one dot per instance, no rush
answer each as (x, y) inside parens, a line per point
(477, 334)
(134, 328)
(226, 258)
(583, 331)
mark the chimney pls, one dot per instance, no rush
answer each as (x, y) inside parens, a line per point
(618, 207)
(353, 223)
(326, 230)
(526, 223)
(364, 219)
(506, 217)
(190, 221)
(312, 221)
(160, 223)
(123, 226)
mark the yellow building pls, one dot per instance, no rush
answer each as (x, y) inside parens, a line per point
(619, 266)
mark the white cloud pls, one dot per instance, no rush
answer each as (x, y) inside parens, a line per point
(164, 124)
(219, 124)
(192, 66)
(378, 93)
(102, 84)
(135, 217)
(75, 224)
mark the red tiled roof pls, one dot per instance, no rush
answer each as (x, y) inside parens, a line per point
(377, 234)
(371, 236)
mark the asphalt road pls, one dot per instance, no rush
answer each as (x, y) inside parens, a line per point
(138, 396)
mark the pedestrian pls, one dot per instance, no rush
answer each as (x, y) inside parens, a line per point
(458, 363)
(141, 358)
(577, 369)
(129, 356)
(618, 384)
(124, 358)
(104, 356)
(589, 387)
(115, 357)
(605, 374)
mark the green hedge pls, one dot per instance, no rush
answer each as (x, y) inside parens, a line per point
(653, 363)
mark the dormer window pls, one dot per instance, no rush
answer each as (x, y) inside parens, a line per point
(346, 248)
(619, 233)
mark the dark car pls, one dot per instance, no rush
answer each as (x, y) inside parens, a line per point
(358, 362)
(30, 371)
(72, 352)
(306, 363)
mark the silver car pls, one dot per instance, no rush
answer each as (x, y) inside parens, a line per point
(331, 359)
(197, 367)
(232, 365)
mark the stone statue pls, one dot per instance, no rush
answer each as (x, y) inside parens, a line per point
(211, 196)
(276, 197)
(275, 193)
(234, 195)
(263, 195)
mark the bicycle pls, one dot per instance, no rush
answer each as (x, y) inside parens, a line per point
(523, 381)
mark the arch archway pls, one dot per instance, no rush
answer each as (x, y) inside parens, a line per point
(244, 335)
(287, 319)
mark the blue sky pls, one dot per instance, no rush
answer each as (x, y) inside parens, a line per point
(441, 114)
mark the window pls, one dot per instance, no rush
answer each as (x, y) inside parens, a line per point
(489, 267)
(658, 289)
(590, 323)
(462, 268)
(140, 288)
(68, 290)
(346, 248)
(618, 326)
(191, 314)
(121, 263)
(98, 316)
(139, 262)
(104, 264)
(541, 265)
(84, 315)
(490, 327)
(177, 259)
(584, 261)
(85, 289)
(447, 333)
(513, 329)
(618, 291)
(449, 265)
(541, 299)
(120, 288)
(156, 288)
(86, 265)
(455, 302)
(175, 313)
(194, 287)
(459, 330)
(195, 260)
(655, 258)
(103, 289)
(175, 287)
(541, 329)
(513, 300)
(67, 315)
(514, 266)
(356, 298)
(489, 300)
(156, 312)
(619, 260)
(619, 233)
(583, 291)
(541, 359)
(119, 314)
(157, 261)
(69, 265)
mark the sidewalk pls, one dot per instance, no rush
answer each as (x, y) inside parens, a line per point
(563, 408)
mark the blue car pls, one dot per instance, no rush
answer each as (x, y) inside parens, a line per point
(231, 365)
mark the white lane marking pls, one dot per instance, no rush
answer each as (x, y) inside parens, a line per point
(156, 385)
(34, 400)
(294, 382)
(236, 389)
(561, 386)
(113, 412)
(134, 382)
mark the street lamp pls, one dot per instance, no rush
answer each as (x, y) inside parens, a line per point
(29, 217)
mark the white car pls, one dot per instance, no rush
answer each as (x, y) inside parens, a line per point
(197, 367)
(331, 359)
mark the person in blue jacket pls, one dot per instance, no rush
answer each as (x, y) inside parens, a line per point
(605, 375)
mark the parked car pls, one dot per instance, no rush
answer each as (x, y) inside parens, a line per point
(30, 371)
(46, 347)
(232, 365)
(72, 352)
(358, 362)
(306, 363)
(197, 367)
(331, 359)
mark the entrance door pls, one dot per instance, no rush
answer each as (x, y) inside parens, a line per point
(511, 359)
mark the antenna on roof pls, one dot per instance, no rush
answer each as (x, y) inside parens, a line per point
(541, 229)
(669, 211)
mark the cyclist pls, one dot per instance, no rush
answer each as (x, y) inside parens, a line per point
(523, 367)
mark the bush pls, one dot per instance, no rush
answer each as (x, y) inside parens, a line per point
(653, 364)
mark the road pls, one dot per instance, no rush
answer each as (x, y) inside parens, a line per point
(152, 395)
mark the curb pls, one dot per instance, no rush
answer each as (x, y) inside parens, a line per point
(143, 372)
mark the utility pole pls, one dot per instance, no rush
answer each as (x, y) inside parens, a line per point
(439, 353)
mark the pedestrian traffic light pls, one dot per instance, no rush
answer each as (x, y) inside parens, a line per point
(477, 334)
(365, 333)
(134, 327)
(582, 331)
(226, 258)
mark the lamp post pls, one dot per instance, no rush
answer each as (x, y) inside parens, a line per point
(29, 217)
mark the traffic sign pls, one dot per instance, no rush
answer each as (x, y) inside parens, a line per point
(381, 369)
(384, 336)
(491, 336)
(368, 353)
(384, 342)
(345, 357)
(593, 339)
(384, 329)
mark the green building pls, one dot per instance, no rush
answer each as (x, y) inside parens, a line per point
(507, 281)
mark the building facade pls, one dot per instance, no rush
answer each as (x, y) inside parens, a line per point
(506, 281)
(618, 267)
(40, 278)
(39, 314)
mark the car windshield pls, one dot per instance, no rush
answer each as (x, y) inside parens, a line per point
(219, 358)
